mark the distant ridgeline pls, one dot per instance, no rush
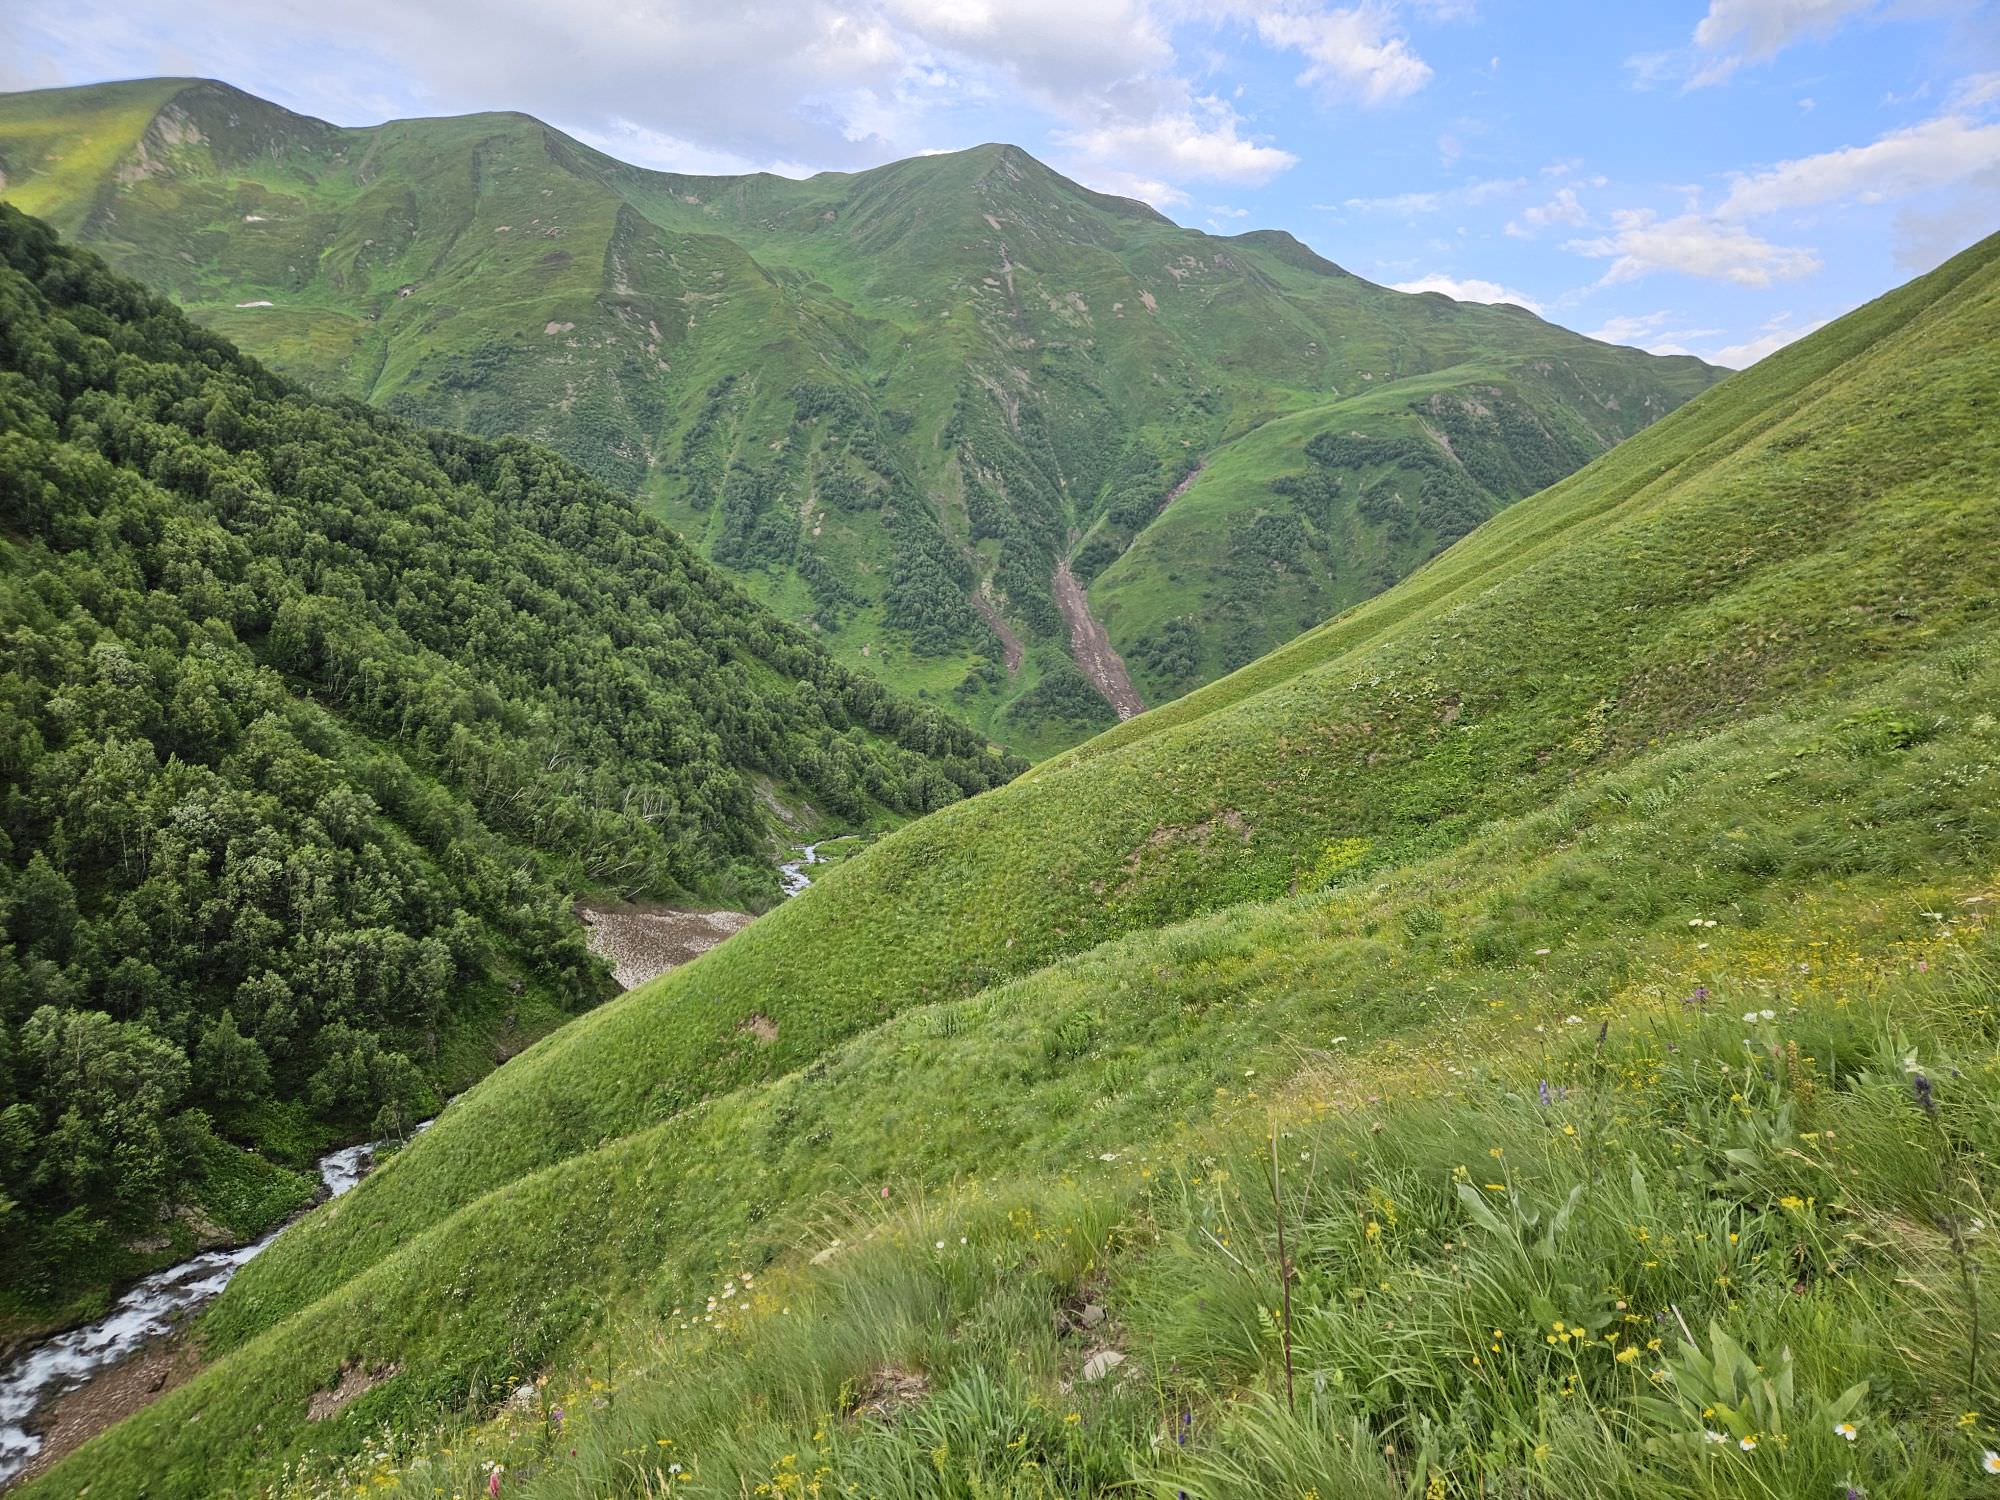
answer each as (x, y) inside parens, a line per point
(312, 726)
(891, 402)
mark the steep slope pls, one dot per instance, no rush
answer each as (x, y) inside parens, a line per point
(1711, 718)
(315, 728)
(893, 401)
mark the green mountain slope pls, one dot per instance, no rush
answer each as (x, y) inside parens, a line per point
(1705, 729)
(315, 728)
(893, 401)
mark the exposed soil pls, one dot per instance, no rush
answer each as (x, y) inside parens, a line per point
(1010, 643)
(644, 942)
(355, 1382)
(1092, 647)
(889, 1392)
(1182, 488)
(75, 1417)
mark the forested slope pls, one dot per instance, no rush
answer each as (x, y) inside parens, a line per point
(312, 728)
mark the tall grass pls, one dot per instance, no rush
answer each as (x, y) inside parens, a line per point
(1746, 1287)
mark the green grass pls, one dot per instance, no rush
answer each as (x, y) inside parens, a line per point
(1739, 671)
(62, 144)
(987, 319)
(1701, 1238)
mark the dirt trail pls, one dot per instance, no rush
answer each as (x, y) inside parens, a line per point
(1010, 643)
(1092, 647)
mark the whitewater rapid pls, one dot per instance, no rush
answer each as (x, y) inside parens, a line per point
(148, 1309)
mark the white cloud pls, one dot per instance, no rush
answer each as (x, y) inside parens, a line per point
(1736, 32)
(1772, 337)
(1693, 245)
(1129, 185)
(1054, 47)
(1350, 54)
(1162, 195)
(1628, 330)
(1954, 150)
(1648, 331)
(1470, 290)
(1933, 154)
(1466, 195)
(667, 153)
(1200, 143)
(1976, 92)
(1400, 204)
(1564, 209)
(1224, 211)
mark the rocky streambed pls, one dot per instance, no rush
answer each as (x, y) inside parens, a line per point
(78, 1382)
(149, 1311)
(643, 942)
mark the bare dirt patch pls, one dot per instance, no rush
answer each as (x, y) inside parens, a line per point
(889, 1392)
(1010, 643)
(1091, 647)
(1182, 488)
(760, 1026)
(642, 943)
(355, 1382)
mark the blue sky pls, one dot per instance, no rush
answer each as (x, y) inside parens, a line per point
(1709, 176)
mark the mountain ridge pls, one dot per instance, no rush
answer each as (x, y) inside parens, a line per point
(872, 396)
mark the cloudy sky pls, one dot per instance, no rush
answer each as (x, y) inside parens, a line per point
(1711, 176)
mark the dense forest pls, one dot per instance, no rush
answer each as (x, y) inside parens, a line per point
(313, 725)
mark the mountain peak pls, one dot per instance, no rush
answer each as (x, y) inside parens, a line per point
(1016, 168)
(1293, 251)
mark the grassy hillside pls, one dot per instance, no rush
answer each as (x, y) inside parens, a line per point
(891, 402)
(316, 726)
(1569, 927)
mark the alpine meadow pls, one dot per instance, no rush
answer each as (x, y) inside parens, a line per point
(769, 826)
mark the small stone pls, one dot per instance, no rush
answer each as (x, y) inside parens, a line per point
(1092, 1314)
(1102, 1363)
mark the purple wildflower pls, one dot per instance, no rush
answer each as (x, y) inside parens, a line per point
(1921, 1087)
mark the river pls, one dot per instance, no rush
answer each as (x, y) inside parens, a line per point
(639, 942)
(792, 873)
(149, 1309)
